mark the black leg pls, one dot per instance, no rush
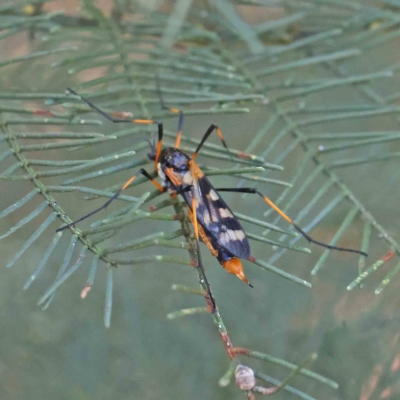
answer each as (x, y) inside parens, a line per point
(115, 196)
(209, 131)
(288, 219)
(124, 120)
(181, 119)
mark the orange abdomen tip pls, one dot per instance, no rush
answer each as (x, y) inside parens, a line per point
(234, 266)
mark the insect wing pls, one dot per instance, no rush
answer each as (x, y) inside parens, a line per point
(217, 219)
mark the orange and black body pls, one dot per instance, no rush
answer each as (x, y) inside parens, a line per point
(213, 221)
(218, 227)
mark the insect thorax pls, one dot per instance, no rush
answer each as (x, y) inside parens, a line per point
(178, 164)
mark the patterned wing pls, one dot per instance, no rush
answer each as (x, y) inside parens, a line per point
(217, 219)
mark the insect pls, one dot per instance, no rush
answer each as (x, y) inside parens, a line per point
(212, 219)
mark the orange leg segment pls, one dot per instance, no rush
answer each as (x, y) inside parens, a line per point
(289, 220)
(126, 120)
(115, 196)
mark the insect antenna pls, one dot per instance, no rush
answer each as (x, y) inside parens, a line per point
(172, 109)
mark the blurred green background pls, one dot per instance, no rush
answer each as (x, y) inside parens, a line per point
(67, 353)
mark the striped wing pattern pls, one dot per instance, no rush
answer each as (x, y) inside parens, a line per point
(217, 219)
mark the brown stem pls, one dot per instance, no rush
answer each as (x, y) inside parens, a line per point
(199, 268)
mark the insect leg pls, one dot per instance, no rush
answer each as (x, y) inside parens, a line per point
(115, 196)
(288, 219)
(174, 110)
(209, 131)
(124, 120)
(195, 222)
